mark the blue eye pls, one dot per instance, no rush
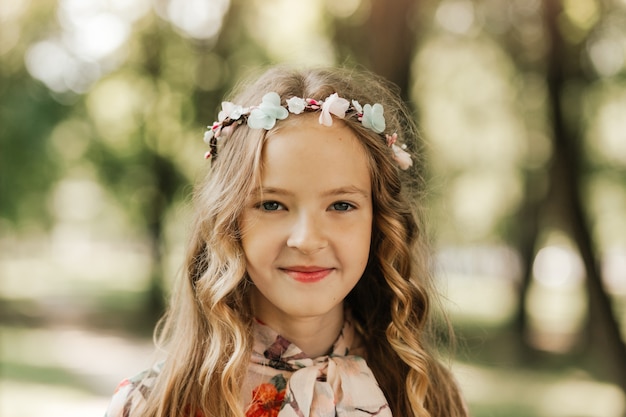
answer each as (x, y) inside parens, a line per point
(342, 206)
(270, 205)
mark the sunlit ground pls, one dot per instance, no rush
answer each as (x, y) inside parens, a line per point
(70, 331)
(64, 371)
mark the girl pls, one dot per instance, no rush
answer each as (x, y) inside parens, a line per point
(307, 290)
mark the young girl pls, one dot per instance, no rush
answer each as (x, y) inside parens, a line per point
(307, 289)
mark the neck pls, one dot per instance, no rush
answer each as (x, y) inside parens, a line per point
(313, 335)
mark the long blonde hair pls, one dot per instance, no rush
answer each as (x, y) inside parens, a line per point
(206, 331)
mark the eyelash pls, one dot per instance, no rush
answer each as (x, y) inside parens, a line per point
(345, 206)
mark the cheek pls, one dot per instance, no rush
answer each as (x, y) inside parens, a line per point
(366, 249)
(257, 239)
(359, 246)
(246, 235)
(247, 224)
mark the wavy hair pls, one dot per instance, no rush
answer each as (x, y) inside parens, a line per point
(206, 332)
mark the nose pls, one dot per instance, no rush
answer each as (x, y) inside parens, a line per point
(307, 234)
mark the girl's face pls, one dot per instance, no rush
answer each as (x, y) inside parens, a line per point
(306, 231)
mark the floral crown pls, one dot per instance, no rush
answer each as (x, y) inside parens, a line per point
(265, 115)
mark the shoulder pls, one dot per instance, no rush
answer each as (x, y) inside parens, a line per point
(132, 392)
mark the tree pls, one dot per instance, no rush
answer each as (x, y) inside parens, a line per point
(565, 179)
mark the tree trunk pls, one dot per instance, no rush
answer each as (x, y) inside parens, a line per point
(384, 43)
(392, 40)
(604, 330)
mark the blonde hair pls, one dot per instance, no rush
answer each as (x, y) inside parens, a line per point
(207, 329)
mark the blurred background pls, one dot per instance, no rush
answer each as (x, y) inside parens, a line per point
(103, 104)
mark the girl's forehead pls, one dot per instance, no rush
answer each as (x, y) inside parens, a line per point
(305, 154)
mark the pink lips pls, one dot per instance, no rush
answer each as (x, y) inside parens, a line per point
(307, 274)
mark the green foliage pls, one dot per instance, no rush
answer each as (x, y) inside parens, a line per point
(28, 166)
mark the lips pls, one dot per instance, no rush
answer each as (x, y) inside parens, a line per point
(307, 274)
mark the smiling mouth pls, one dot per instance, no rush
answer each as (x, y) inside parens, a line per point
(307, 274)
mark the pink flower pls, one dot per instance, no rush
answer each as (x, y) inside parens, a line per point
(122, 384)
(314, 104)
(333, 105)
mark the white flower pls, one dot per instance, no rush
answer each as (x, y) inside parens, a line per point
(208, 135)
(296, 105)
(401, 156)
(357, 106)
(333, 105)
(230, 110)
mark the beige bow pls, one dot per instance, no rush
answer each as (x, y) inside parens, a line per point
(341, 386)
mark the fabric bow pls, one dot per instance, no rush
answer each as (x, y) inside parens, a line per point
(341, 386)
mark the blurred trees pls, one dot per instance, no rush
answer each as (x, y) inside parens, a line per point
(567, 34)
(566, 176)
(128, 118)
(522, 104)
(27, 115)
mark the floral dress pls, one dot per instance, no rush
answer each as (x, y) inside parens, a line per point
(282, 381)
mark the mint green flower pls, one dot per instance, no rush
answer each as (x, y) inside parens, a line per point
(373, 117)
(270, 110)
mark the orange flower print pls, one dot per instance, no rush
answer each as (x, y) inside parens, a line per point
(266, 401)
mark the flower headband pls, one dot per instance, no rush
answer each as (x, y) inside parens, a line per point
(265, 115)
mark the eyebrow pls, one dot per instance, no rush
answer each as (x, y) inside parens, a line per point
(347, 190)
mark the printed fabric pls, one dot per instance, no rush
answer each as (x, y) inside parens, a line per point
(282, 381)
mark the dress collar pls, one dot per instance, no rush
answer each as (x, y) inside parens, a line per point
(272, 349)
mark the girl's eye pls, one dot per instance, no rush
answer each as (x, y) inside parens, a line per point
(342, 206)
(270, 206)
